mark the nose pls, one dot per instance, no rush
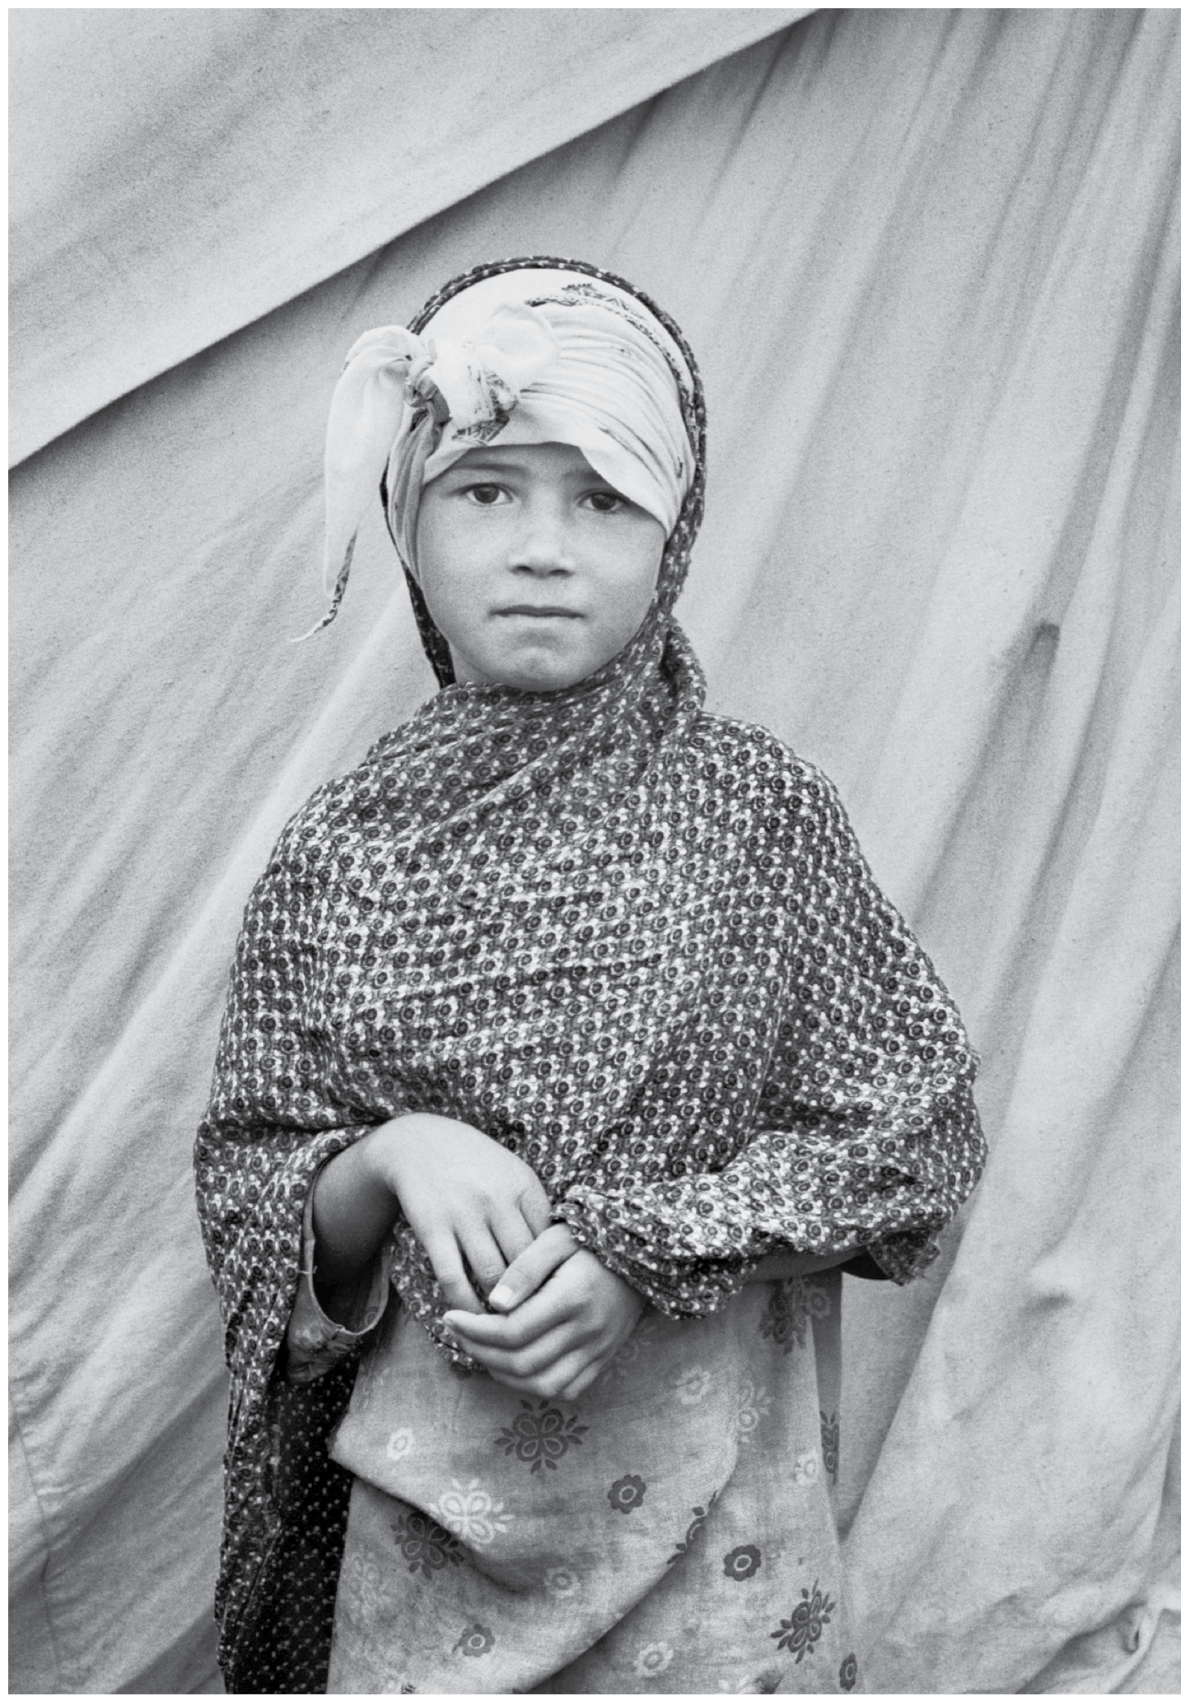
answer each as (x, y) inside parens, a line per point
(543, 545)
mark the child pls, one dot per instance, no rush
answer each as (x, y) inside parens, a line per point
(574, 1017)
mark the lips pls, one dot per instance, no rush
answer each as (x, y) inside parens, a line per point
(541, 611)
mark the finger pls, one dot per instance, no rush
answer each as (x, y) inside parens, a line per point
(509, 1333)
(444, 1255)
(482, 1254)
(507, 1369)
(548, 1381)
(481, 1329)
(562, 1297)
(571, 1371)
(533, 1266)
(521, 1361)
(583, 1381)
(551, 1306)
(512, 1233)
(534, 1206)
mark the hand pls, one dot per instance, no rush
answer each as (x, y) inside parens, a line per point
(465, 1197)
(556, 1342)
(539, 1260)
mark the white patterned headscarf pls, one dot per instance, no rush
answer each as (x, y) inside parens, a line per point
(532, 355)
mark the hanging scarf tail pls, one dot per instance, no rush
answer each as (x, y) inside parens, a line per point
(367, 414)
(336, 597)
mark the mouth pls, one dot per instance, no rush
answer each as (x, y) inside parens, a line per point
(540, 611)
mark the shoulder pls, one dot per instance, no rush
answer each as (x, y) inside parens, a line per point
(330, 821)
(748, 757)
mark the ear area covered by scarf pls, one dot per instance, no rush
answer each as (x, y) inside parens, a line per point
(395, 385)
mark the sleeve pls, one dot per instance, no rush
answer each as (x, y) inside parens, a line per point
(272, 1120)
(314, 1342)
(865, 1134)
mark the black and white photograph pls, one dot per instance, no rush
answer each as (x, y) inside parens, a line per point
(594, 868)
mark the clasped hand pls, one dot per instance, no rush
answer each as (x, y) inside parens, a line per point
(559, 1315)
(563, 1317)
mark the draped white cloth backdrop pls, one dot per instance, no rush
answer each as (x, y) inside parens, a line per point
(929, 262)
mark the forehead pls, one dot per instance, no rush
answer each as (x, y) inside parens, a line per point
(540, 460)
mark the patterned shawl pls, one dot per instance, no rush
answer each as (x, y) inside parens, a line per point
(636, 944)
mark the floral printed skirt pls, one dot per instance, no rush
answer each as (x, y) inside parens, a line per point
(671, 1530)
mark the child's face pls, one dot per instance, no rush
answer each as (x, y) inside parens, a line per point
(535, 570)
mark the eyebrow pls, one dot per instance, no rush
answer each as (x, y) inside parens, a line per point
(480, 466)
(496, 469)
(509, 465)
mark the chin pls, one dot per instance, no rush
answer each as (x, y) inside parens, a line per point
(533, 670)
(541, 673)
(544, 680)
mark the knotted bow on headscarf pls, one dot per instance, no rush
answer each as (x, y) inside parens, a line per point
(582, 364)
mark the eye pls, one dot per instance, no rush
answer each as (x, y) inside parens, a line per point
(485, 495)
(606, 501)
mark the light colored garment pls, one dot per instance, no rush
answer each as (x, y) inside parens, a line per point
(670, 1531)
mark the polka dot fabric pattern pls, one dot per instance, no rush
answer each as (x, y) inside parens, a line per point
(634, 943)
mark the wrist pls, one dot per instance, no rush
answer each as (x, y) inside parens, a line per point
(628, 1295)
(354, 1206)
(384, 1149)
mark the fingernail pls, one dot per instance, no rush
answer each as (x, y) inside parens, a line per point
(500, 1296)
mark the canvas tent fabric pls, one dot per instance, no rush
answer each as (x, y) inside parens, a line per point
(929, 263)
(248, 155)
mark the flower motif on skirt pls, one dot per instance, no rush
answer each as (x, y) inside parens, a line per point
(805, 1467)
(475, 1640)
(786, 1315)
(560, 1583)
(541, 1435)
(363, 1586)
(426, 1546)
(400, 1445)
(701, 1514)
(690, 1383)
(800, 1633)
(626, 1493)
(653, 1658)
(754, 1405)
(742, 1563)
(830, 1439)
(848, 1673)
(471, 1514)
(791, 1305)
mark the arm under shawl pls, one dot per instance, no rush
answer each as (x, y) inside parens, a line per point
(866, 1131)
(269, 1126)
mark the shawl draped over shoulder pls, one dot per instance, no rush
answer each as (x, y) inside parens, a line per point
(636, 944)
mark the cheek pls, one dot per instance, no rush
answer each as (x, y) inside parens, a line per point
(444, 561)
(441, 575)
(430, 538)
(634, 593)
(646, 567)
(450, 603)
